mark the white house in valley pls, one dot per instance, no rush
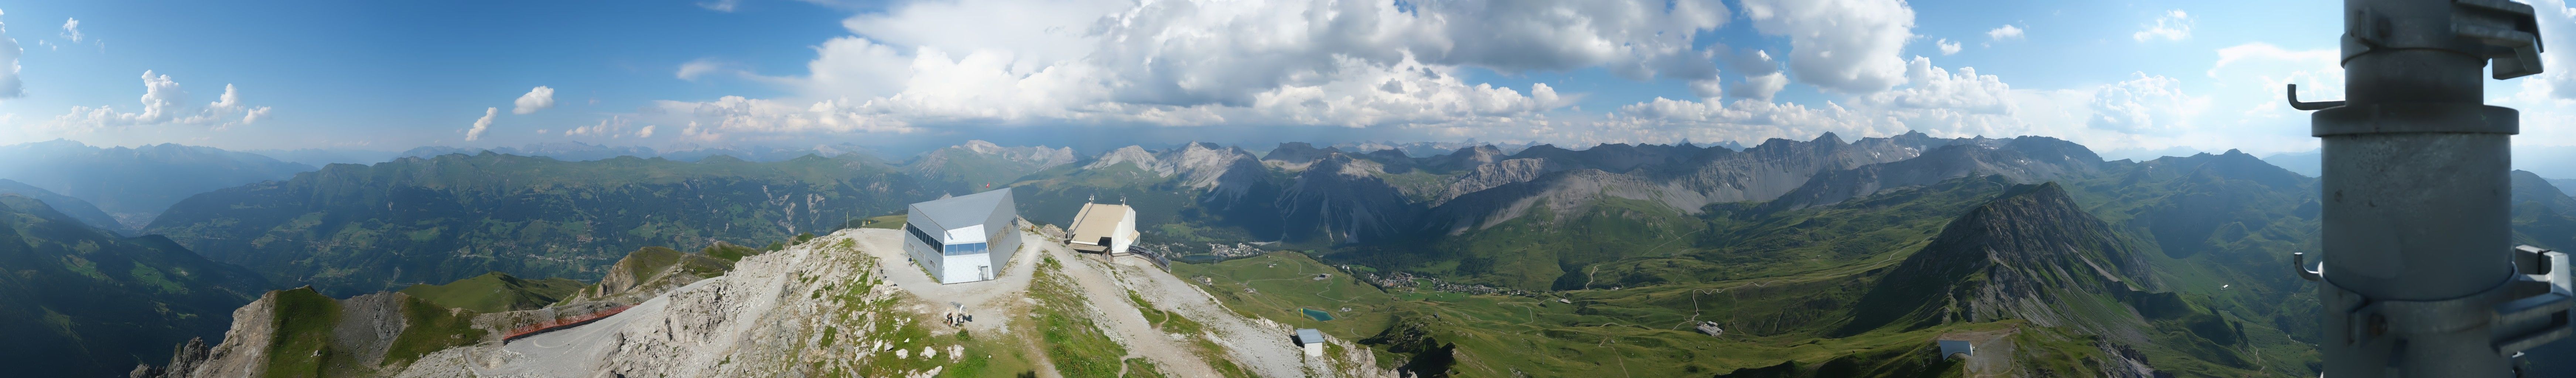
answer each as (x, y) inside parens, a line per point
(965, 238)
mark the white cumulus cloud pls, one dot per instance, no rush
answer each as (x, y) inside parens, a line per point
(2004, 33)
(539, 98)
(1936, 88)
(2173, 25)
(2145, 104)
(697, 68)
(613, 127)
(721, 5)
(1847, 46)
(71, 29)
(10, 85)
(1947, 47)
(254, 115)
(164, 103)
(1760, 76)
(481, 124)
(1209, 62)
(647, 132)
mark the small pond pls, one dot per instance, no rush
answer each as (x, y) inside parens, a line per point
(1317, 314)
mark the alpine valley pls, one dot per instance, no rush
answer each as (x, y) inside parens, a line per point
(1827, 257)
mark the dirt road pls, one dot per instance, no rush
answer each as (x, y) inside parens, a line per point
(1120, 314)
(578, 351)
(1263, 347)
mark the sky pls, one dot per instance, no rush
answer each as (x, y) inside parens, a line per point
(1096, 74)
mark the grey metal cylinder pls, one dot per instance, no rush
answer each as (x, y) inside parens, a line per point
(2416, 233)
(2417, 216)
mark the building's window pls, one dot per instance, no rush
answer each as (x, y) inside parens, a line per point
(965, 249)
(924, 237)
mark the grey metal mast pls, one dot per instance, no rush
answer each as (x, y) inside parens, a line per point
(2420, 277)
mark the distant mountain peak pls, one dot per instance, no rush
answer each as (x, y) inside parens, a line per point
(2017, 256)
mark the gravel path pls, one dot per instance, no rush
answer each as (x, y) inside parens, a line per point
(1142, 340)
(578, 351)
(1262, 346)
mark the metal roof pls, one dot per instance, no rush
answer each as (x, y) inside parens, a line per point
(1309, 336)
(960, 211)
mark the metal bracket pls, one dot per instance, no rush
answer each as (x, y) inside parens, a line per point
(2542, 315)
(2295, 104)
(2299, 260)
(2507, 29)
(2531, 310)
(2504, 32)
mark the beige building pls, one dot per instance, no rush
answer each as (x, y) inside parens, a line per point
(1103, 228)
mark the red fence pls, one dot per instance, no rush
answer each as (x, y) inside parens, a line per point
(561, 323)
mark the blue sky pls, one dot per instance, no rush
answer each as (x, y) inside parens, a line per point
(674, 74)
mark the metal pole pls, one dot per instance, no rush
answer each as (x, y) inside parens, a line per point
(2416, 233)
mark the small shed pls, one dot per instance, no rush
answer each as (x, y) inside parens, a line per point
(1957, 348)
(1312, 340)
(1103, 228)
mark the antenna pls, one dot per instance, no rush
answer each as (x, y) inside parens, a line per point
(2421, 277)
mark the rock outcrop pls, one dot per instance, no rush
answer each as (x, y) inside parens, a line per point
(300, 331)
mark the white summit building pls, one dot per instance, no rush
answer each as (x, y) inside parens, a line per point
(963, 239)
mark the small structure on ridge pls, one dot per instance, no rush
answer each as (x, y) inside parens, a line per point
(1312, 340)
(1103, 228)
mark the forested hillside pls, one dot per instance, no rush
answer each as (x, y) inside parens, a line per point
(81, 301)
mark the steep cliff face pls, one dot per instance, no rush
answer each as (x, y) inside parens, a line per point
(1466, 158)
(1340, 199)
(1494, 174)
(1296, 156)
(1194, 165)
(2032, 254)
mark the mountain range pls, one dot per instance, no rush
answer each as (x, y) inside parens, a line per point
(134, 184)
(350, 229)
(2173, 265)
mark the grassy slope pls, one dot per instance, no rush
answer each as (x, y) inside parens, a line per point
(496, 292)
(303, 341)
(1497, 335)
(1779, 280)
